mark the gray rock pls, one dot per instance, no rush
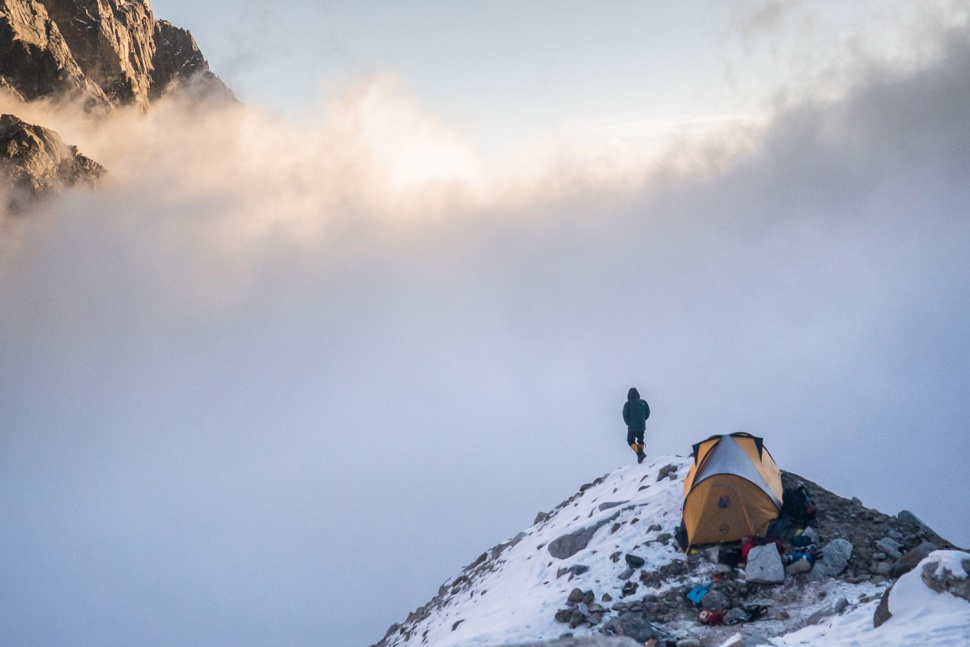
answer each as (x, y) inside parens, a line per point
(835, 557)
(736, 615)
(688, 642)
(655, 527)
(883, 569)
(568, 545)
(798, 566)
(889, 546)
(764, 566)
(634, 561)
(542, 516)
(913, 557)
(715, 601)
(811, 532)
(941, 579)
(909, 517)
(840, 605)
(627, 574)
(630, 624)
(575, 596)
(668, 471)
(585, 641)
(611, 504)
(882, 613)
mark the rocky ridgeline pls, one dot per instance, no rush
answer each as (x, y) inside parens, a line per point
(849, 556)
(97, 54)
(38, 163)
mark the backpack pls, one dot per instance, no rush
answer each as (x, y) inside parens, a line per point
(798, 506)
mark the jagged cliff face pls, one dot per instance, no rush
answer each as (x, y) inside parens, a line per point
(105, 52)
(37, 163)
(102, 54)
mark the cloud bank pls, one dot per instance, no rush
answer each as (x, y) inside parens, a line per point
(274, 383)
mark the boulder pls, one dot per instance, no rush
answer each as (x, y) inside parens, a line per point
(949, 572)
(834, 559)
(715, 601)
(634, 561)
(889, 546)
(909, 517)
(882, 613)
(798, 566)
(568, 545)
(912, 558)
(631, 624)
(764, 566)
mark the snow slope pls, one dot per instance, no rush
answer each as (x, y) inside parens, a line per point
(921, 616)
(511, 594)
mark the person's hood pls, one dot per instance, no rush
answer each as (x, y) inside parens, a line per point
(632, 395)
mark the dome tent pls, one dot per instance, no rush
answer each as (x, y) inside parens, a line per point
(733, 490)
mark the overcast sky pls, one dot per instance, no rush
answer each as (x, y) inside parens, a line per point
(301, 360)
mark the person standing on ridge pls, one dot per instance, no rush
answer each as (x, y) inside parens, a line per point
(635, 414)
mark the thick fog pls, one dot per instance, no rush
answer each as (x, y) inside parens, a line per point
(274, 383)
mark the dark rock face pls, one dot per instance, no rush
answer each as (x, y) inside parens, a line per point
(106, 52)
(101, 53)
(37, 162)
(35, 60)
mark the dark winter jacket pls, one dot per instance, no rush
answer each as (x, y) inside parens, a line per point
(635, 411)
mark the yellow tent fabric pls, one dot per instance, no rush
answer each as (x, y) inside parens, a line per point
(733, 489)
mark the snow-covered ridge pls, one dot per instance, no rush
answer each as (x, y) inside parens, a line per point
(512, 592)
(607, 554)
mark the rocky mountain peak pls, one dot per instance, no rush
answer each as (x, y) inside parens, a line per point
(37, 163)
(108, 52)
(603, 567)
(100, 54)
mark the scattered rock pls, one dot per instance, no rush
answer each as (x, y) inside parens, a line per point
(575, 596)
(668, 471)
(629, 589)
(583, 641)
(541, 517)
(634, 561)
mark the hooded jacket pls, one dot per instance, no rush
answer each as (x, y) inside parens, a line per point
(635, 411)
